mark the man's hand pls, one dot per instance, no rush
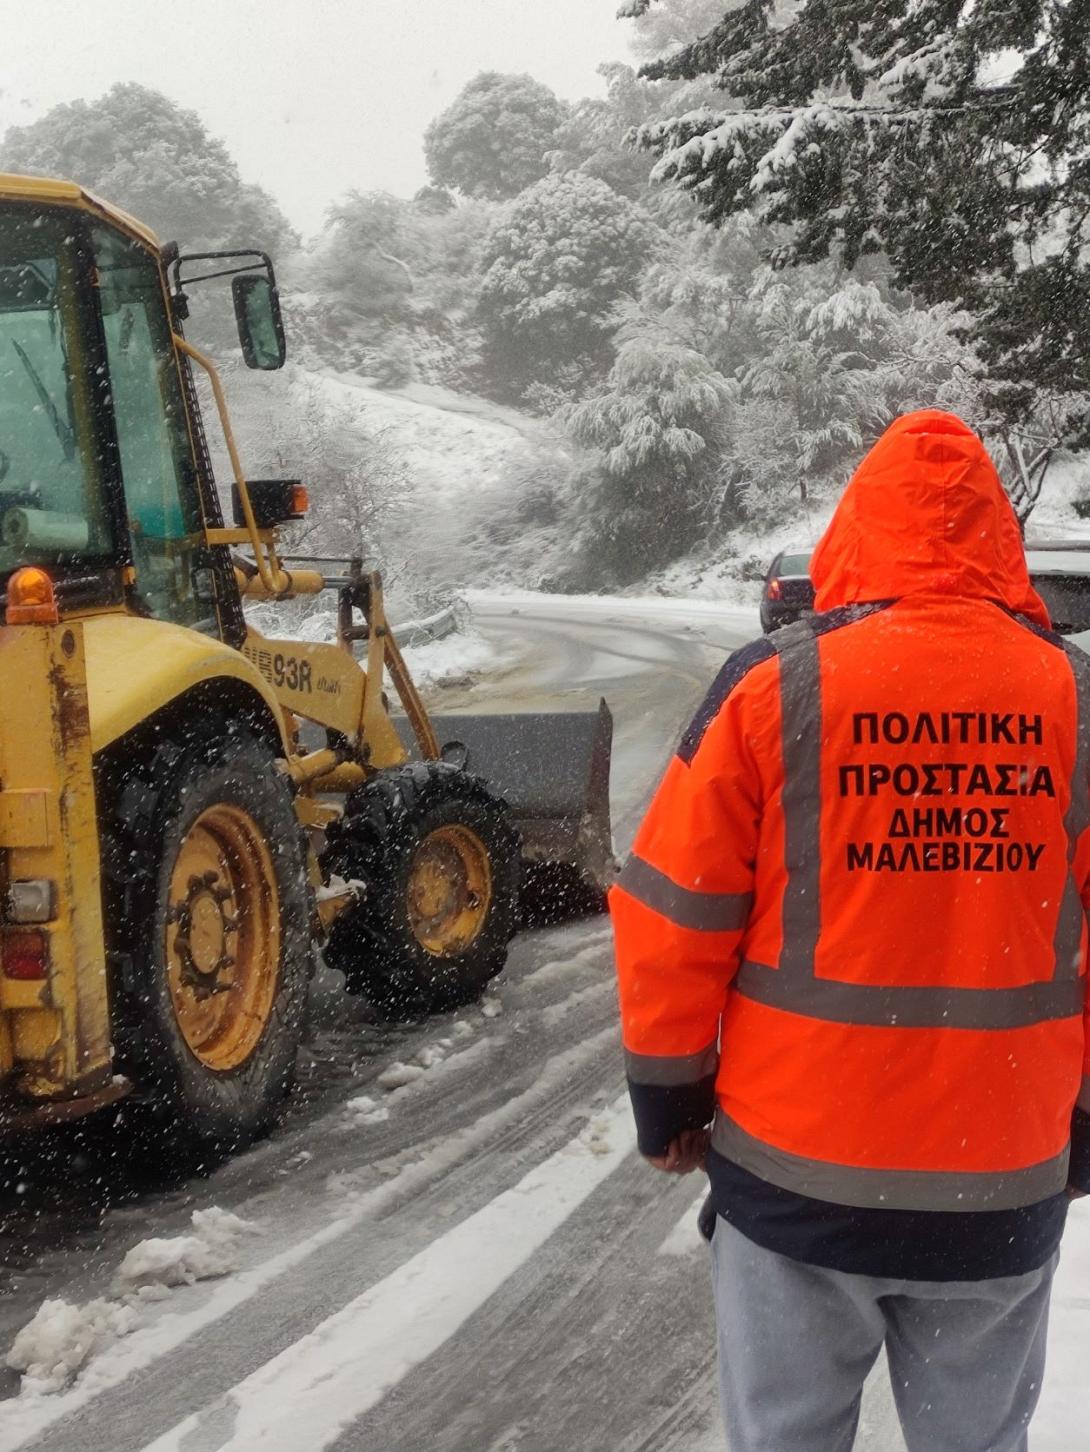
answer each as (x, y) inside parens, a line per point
(684, 1154)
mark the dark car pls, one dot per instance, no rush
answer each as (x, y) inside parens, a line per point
(788, 590)
(1060, 572)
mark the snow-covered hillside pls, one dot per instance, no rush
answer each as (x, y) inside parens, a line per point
(453, 489)
(432, 481)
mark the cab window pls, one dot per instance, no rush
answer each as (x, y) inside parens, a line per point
(54, 509)
(161, 501)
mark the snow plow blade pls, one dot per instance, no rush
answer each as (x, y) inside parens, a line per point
(552, 769)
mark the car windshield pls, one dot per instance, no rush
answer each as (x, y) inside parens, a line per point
(794, 565)
(52, 504)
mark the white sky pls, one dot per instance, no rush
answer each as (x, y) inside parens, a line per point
(312, 97)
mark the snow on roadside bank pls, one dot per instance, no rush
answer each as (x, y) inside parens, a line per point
(452, 660)
(432, 663)
(56, 1345)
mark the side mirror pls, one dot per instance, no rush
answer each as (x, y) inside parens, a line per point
(260, 326)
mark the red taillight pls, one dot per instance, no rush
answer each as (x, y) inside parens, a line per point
(775, 590)
(25, 956)
(31, 600)
(300, 500)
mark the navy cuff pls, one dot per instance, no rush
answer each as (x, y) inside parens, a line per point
(1079, 1173)
(663, 1111)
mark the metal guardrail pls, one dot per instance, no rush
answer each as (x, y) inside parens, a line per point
(432, 627)
(409, 632)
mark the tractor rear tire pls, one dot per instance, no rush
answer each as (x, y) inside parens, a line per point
(439, 860)
(207, 915)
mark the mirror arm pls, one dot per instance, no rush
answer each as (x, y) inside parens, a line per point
(275, 579)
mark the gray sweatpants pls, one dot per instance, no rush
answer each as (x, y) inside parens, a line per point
(796, 1343)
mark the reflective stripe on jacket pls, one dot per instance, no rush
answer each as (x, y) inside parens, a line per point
(864, 872)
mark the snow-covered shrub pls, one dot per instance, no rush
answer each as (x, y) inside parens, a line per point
(654, 436)
(554, 267)
(391, 365)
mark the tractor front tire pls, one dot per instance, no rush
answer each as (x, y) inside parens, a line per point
(438, 858)
(207, 915)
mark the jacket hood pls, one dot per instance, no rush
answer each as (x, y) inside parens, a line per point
(925, 513)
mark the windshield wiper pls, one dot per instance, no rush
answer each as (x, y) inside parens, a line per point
(66, 435)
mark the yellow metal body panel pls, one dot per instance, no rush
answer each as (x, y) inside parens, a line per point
(319, 682)
(324, 683)
(25, 818)
(50, 191)
(56, 1031)
(135, 667)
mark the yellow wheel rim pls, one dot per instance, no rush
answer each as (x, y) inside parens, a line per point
(223, 937)
(449, 891)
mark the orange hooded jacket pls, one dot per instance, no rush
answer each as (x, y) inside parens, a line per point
(852, 922)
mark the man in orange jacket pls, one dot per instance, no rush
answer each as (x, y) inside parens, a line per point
(851, 938)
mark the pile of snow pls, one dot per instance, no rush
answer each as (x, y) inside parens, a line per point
(451, 661)
(363, 1111)
(53, 1348)
(179, 1260)
(398, 1075)
(594, 1136)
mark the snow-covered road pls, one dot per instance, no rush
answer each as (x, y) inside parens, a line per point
(455, 1245)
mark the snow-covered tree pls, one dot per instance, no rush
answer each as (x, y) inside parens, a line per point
(553, 269)
(594, 137)
(434, 200)
(698, 292)
(362, 258)
(493, 139)
(661, 29)
(833, 363)
(952, 137)
(136, 148)
(390, 288)
(360, 487)
(653, 433)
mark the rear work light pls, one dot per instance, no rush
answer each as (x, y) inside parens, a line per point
(775, 590)
(32, 900)
(25, 956)
(31, 600)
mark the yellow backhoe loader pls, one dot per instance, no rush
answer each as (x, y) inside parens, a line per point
(175, 844)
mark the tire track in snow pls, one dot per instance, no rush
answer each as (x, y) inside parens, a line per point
(315, 1389)
(597, 1340)
(135, 1386)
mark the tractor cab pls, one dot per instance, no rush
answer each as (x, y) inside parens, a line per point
(101, 477)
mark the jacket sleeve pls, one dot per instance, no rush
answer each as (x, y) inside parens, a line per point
(679, 912)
